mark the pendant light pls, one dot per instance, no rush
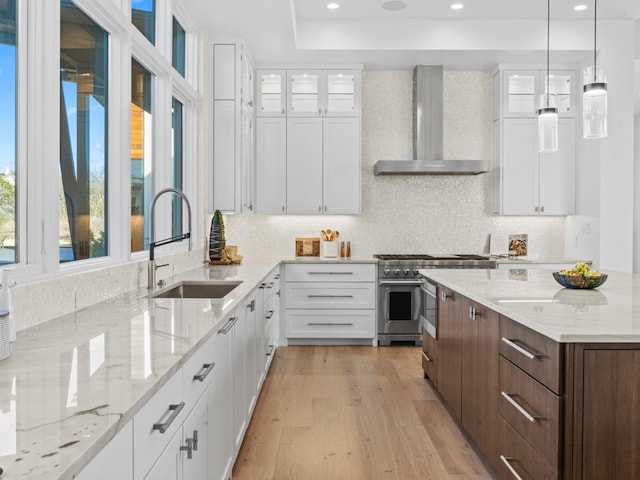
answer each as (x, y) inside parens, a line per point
(594, 97)
(547, 111)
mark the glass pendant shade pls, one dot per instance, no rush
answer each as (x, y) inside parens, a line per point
(594, 103)
(547, 124)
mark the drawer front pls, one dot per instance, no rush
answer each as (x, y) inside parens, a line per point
(532, 410)
(272, 283)
(331, 272)
(197, 373)
(539, 356)
(517, 460)
(429, 357)
(164, 408)
(330, 295)
(330, 324)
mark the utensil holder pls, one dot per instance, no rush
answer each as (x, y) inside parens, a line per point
(4, 334)
(330, 249)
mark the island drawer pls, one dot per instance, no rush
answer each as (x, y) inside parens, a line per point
(331, 272)
(429, 357)
(539, 356)
(518, 460)
(532, 410)
(330, 324)
(330, 295)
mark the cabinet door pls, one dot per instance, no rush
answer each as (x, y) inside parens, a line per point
(224, 155)
(449, 349)
(271, 165)
(562, 84)
(114, 461)
(168, 466)
(248, 165)
(246, 91)
(221, 441)
(271, 96)
(496, 168)
(304, 91)
(304, 165)
(196, 435)
(239, 373)
(520, 93)
(519, 167)
(224, 72)
(558, 173)
(341, 165)
(342, 93)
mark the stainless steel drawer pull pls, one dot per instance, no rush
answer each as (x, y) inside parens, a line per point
(518, 348)
(270, 351)
(188, 448)
(426, 357)
(228, 326)
(204, 371)
(175, 409)
(329, 296)
(517, 406)
(330, 273)
(345, 324)
(507, 461)
(269, 314)
(195, 440)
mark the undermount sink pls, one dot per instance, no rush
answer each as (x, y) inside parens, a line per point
(198, 290)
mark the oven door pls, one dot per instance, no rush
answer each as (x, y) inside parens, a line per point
(430, 308)
(399, 306)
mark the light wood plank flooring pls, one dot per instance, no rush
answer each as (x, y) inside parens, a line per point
(350, 412)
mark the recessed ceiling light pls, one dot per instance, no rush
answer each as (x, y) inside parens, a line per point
(457, 6)
(394, 5)
(579, 8)
(333, 6)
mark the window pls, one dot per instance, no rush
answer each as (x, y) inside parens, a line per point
(8, 244)
(143, 16)
(178, 50)
(141, 155)
(83, 136)
(177, 164)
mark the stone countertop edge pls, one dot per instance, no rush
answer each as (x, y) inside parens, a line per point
(470, 284)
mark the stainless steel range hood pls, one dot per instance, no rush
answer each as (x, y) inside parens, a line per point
(427, 133)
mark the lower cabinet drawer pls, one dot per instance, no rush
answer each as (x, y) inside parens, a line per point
(517, 459)
(330, 295)
(156, 423)
(532, 410)
(330, 323)
(331, 272)
(429, 357)
(197, 373)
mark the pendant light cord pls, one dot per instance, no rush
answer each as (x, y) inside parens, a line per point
(548, 28)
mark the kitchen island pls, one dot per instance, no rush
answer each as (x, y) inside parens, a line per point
(562, 366)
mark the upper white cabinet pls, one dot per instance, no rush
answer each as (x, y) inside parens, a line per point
(526, 182)
(316, 148)
(521, 90)
(233, 129)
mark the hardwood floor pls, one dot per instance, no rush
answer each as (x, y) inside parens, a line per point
(351, 413)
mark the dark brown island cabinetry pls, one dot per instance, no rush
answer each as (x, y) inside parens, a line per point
(536, 408)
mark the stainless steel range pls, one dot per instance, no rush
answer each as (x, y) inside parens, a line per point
(400, 302)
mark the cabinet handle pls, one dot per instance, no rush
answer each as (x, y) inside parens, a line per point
(283, 110)
(507, 461)
(277, 276)
(518, 348)
(329, 296)
(175, 409)
(270, 285)
(282, 208)
(444, 296)
(278, 293)
(517, 406)
(252, 304)
(270, 314)
(345, 324)
(270, 351)
(195, 440)
(204, 371)
(542, 209)
(188, 448)
(330, 273)
(426, 357)
(228, 326)
(536, 209)
(473, 313)
(320, 208)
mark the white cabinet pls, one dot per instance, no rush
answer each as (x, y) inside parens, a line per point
(323, 92)
(114, 461)
(268, 320)
(251, 334)
(304, 165)
(168, 466)
(316, 307)
(271, 165)
(233, 129)
(271, 93)
(526, 182)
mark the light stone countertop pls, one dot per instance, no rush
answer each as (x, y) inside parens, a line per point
(608, 314)
(73, 382)
(530, 259)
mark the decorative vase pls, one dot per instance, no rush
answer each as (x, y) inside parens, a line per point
(216, 237)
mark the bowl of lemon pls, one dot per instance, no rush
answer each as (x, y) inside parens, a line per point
(580, 276)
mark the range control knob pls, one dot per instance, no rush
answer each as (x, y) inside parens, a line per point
(386, 272)
(406, 272)
(415, 272)
(396, 271)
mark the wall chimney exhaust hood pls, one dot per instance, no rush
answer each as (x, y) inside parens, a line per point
(427, 133)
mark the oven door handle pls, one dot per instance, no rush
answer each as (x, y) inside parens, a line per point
(401, 283)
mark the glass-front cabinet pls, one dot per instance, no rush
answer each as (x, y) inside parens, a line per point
(304, 92)
(521, 90)
(332, 93)
(271, 93)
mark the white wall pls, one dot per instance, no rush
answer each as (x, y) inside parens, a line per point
(411, 214)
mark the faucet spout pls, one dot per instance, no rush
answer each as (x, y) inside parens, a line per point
(152, 236)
